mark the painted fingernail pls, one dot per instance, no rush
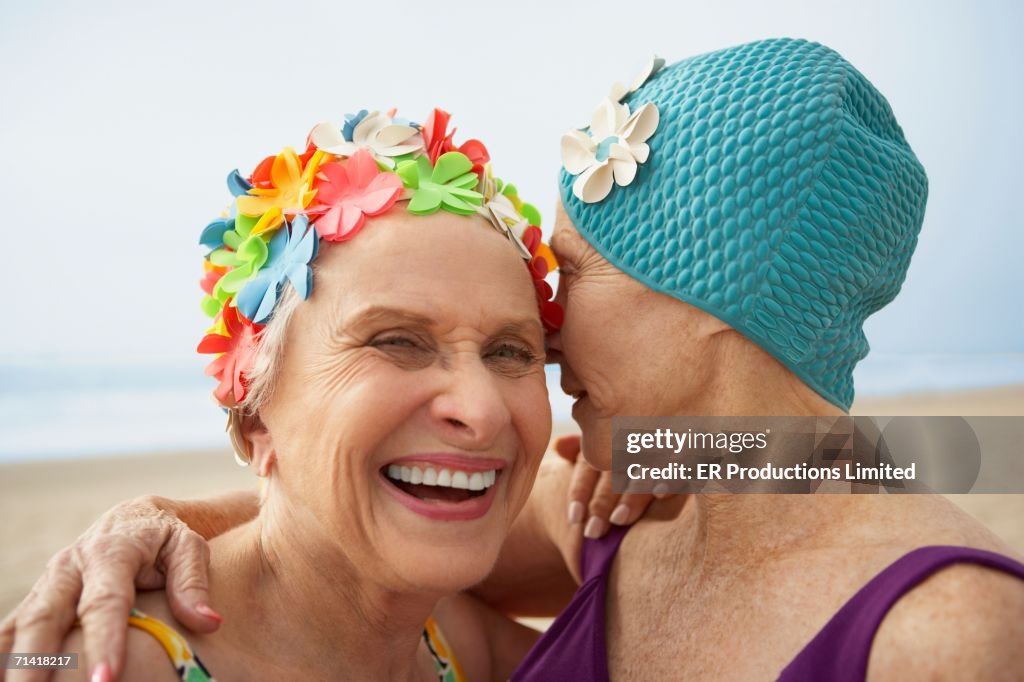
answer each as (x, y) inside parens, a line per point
(101, 673)
(620, 516)
(575, 513)
(205, 610)
(596, 527)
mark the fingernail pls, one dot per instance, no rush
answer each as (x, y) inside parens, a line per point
(661, 491)
(204, 610)
(596, 527)
(101, 673)
(575, 513)
(620, 516)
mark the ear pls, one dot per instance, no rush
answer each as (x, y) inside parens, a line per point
(258, 443)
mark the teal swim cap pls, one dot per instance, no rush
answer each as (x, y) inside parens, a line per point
(779, 195)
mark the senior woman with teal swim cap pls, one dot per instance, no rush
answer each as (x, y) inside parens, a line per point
(727, 224)
(726, 229)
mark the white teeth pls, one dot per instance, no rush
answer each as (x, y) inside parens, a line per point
(446, 478)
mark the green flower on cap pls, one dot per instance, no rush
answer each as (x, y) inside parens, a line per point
(448, 184)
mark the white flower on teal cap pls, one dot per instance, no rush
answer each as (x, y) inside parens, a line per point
(610, 150)
(619, 91)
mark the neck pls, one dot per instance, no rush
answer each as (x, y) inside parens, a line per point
(711, 537)
(299, 603)
(712, 531)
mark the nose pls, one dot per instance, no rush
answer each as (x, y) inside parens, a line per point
(470, 409)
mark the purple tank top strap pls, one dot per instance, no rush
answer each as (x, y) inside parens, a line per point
(597, 555)
(573, 648)
(841, 649)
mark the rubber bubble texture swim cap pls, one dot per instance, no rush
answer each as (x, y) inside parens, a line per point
(780, 196)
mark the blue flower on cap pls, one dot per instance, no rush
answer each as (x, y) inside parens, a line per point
(291, 251)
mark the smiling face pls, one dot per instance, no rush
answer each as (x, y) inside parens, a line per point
(411, 411)
(624, 350)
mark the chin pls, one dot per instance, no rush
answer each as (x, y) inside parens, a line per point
(443, 531)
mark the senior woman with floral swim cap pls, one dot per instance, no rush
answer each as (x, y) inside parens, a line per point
(725, 230)
(397, 424)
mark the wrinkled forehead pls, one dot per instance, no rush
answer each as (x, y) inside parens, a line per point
(441, 265)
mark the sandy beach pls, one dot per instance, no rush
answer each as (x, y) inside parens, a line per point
(46, 504)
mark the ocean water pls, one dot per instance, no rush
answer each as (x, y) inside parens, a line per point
(62, 409)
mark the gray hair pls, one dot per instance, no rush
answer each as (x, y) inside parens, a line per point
(262, 379)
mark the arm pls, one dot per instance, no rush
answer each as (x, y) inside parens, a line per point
(210, 518)
(143, 542)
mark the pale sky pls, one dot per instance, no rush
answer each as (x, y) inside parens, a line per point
(122, 119)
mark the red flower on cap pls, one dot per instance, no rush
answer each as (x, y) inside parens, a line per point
(551, 314)
(237, 355)
(437, 141)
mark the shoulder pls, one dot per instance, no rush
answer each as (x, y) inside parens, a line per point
(963, 622)
(145, 659)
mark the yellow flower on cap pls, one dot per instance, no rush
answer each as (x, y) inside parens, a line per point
(291, 191)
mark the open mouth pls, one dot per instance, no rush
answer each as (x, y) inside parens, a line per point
(440, 484)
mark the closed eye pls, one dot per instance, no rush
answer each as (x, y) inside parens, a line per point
(407, 352)
(394, 341)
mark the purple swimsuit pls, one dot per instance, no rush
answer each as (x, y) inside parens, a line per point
(573, 648)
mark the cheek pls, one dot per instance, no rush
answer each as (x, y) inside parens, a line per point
(531, 419)
(598, 333)
(532, 413)
(584, 317)
(343, 417)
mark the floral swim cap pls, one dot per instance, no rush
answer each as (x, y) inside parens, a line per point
(346, 175)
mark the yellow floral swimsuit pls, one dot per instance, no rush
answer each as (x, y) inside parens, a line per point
(191, 669)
